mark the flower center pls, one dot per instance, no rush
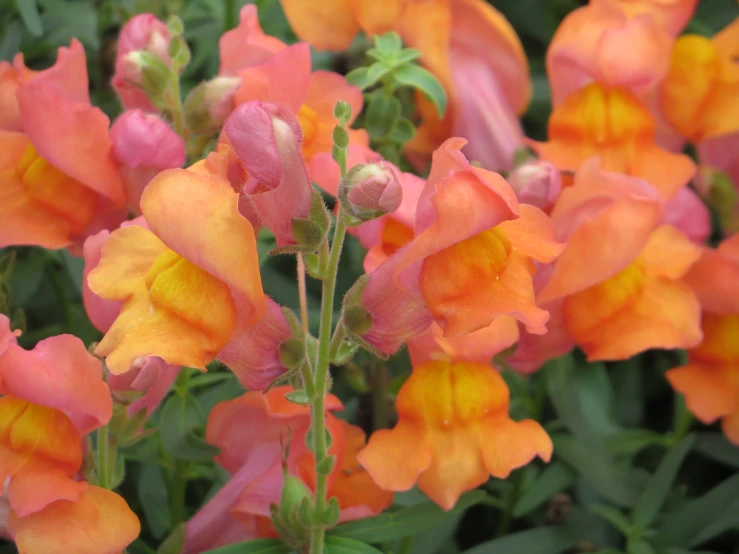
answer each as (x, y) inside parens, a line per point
(602, 117)
(720, 339)
(587, 309)
(37, 432)
(452, 272)
(192, 294)
(308, 121)
(55, 192)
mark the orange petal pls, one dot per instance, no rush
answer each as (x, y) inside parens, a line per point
(197, 216)
(100, 522)
(126, 260)
(457, 466)
(36, 486)
(533, 234)
(666, 315)
(327, 25)
(395, 458)
(709, 389)
(667, 171)
(417, 19)
(714, 276)
(669, 253)
(376, 18)
(246, 45)
(730, 427)
(507, 444)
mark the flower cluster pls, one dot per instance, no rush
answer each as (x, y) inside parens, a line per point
(483, 250)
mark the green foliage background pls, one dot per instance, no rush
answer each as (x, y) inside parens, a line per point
(631, 472)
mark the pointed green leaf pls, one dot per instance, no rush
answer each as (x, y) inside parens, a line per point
(597, 468)
(342, 545)
(553, 539)
(655, 493)
(640, 547)
(421, 79)
(154, 500)
(405, 522)
(382, 113)
(258, 546)
(28, 11)
(561, 375)
(389, 43)
(180, 418)
(613, 516)
(716, 447)
(555, 478)
(403, 131)
(702, 519)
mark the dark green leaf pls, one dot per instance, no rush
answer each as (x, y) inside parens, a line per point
(543, 540)
(152, 490)
(419, 78)
(258, 546)
(561, 374)
(703, 518)
(613, 516)
(389, 43)
(632, 441)
(66, 19)
(639, 547)
(555, 478)
(405, 522)
(11, 42)
(28, 11)
(653, 498)
(382, 113)
(595, 396)
(598, 469)
(181, 415)
(716, 447)
(342, 545)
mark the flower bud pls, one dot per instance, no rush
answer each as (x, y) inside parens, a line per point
(210, 103)
(142, 61)
(537, 183)
(144, 144)
(371, 190)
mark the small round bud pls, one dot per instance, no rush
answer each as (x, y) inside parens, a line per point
(371, 190)
(343, 112)
(341, 137)
(147, 71)
(357, 319)
(210, 103)
(537, 183)
(292, 353)
(175, 26)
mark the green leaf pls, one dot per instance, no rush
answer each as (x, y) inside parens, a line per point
(359, 77)
(154, 500)
(389, 43)
(382, 113)
(639, 547)
(655, 493)
(613, 516)
(299, 397)
(258, 546)
(595, 396)
(543, 540)
(175, 541)
(702, 519)
(342, 545)
(407, 55)
(561, 375)
(598, 469)
(419, 78)
(630, 442)
(555, 478)
(716, 447)
(181, 416)
(208, 379)
(28, 11)
(403, 131)
(405, 522)
(66, 19)
(10, 44)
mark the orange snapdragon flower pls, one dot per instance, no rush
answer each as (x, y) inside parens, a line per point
(710, 380)
(672, 15)
(52, 397)
(453, 432)
(58, 178)
(698, 97)
(471, 260)
(473, 50)
(190, 284)
(620, 275)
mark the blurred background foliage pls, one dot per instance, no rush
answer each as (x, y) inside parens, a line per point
(627, 474)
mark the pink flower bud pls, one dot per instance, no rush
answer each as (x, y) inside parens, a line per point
(150, 375)
(267, 138)
(144, 145)
(210, 103)
(142, 54)
(371, 190)
(537, 183)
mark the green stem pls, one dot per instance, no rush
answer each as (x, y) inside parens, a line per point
(104, 477)
(505, 520)
(61, 294)
(178, 117)
(318, 408)
(336, 340)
